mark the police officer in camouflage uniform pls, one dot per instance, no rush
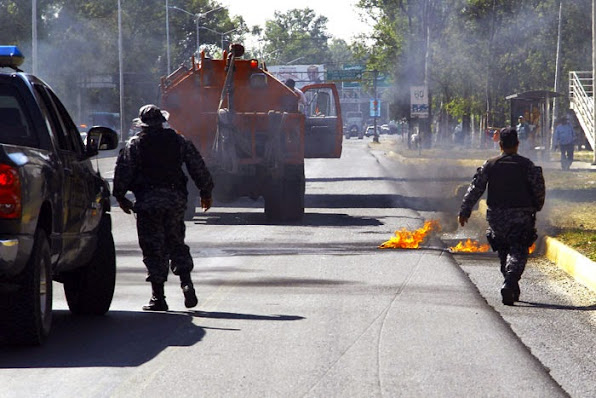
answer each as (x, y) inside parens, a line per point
(515, 193)
(151, 167)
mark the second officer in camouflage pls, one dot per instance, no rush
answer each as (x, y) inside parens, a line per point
(516, 192)
(151, 167)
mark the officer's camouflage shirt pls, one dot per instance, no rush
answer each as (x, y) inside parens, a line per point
(127, 169)
(480, 181)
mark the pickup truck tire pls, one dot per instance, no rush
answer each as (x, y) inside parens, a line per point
(28, 311)
(284, 198)
(90, 289)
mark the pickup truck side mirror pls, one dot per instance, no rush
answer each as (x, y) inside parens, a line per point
(100, 139)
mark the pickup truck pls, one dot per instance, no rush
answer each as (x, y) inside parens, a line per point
(54, 208)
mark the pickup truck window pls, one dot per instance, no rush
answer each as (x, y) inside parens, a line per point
(70, 129)
(15, 125)
(52, 118)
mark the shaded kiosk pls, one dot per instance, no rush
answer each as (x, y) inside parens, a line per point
(536, 107)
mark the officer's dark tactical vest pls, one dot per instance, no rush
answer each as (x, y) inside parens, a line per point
(160, 159)
(508, 185)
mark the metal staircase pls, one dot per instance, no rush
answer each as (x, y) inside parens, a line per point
(581, 101)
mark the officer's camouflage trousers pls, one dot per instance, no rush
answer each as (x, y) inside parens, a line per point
(161, 237)
(511, 232)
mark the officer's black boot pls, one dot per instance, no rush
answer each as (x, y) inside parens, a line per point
(508, 290)
(158, 299)
(516, 291)
(190, 297)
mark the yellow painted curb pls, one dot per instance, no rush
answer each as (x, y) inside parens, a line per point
(575, 264)
(569, 260)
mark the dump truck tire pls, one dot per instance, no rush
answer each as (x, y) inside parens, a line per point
(293, 193)
(284, 199)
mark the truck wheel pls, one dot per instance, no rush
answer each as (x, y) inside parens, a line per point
(273, 200)
(284, 200)
(90, 289)
(27, 313)
(293, 193)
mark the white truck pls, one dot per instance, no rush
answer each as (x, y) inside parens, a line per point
(354, 126)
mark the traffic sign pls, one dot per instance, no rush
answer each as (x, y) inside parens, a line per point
(344, 75)
(375, 108)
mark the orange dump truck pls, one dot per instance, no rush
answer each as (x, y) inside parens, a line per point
(248, 128)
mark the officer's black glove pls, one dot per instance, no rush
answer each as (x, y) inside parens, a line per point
(125, 204)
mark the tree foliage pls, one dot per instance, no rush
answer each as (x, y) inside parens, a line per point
(474, 53)
(298, 35)
(78, 46)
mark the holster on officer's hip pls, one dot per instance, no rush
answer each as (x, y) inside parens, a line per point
(492, 241)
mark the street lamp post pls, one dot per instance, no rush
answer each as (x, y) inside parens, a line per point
(224, 34)
(219, 33)
(197, 17)
(168, 36)
(34, 36)
(121, 72)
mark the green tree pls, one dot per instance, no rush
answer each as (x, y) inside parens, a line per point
(480, 51)
(297, 35)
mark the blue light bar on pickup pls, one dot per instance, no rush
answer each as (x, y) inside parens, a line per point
(11, 56)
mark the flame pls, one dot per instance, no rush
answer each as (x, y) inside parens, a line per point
(405, 239)
(469, 246)
(473, 246)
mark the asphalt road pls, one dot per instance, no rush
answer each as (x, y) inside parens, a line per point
(311, 309)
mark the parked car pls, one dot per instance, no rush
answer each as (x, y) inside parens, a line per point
(54, 208)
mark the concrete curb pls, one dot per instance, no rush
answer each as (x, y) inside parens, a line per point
(578, 266)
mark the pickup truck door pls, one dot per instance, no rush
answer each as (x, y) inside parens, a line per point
(323, 127)
(76, 196)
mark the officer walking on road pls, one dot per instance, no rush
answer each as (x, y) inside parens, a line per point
(516, 192)
(151, 167)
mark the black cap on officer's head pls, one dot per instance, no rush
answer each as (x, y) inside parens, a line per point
(150, 115)
(508, 137)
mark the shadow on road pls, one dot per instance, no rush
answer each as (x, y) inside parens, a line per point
(310, 219)
(120, 339)
(249, 317)
(380, 201)
(530, 304)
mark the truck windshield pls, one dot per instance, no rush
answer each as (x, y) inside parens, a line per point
(15, 127)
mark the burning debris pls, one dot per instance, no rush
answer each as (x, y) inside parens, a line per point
(469, 246)
(405, 239)
(473, 246)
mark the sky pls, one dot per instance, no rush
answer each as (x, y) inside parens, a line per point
(343, 17)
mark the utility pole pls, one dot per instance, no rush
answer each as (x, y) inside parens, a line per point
(121, 73)
(34, 36)
(376, 104)
(168, 36)
(549, 145)
(593, 132)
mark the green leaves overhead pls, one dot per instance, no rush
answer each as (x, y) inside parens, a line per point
(297, 33)
(479, 51)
